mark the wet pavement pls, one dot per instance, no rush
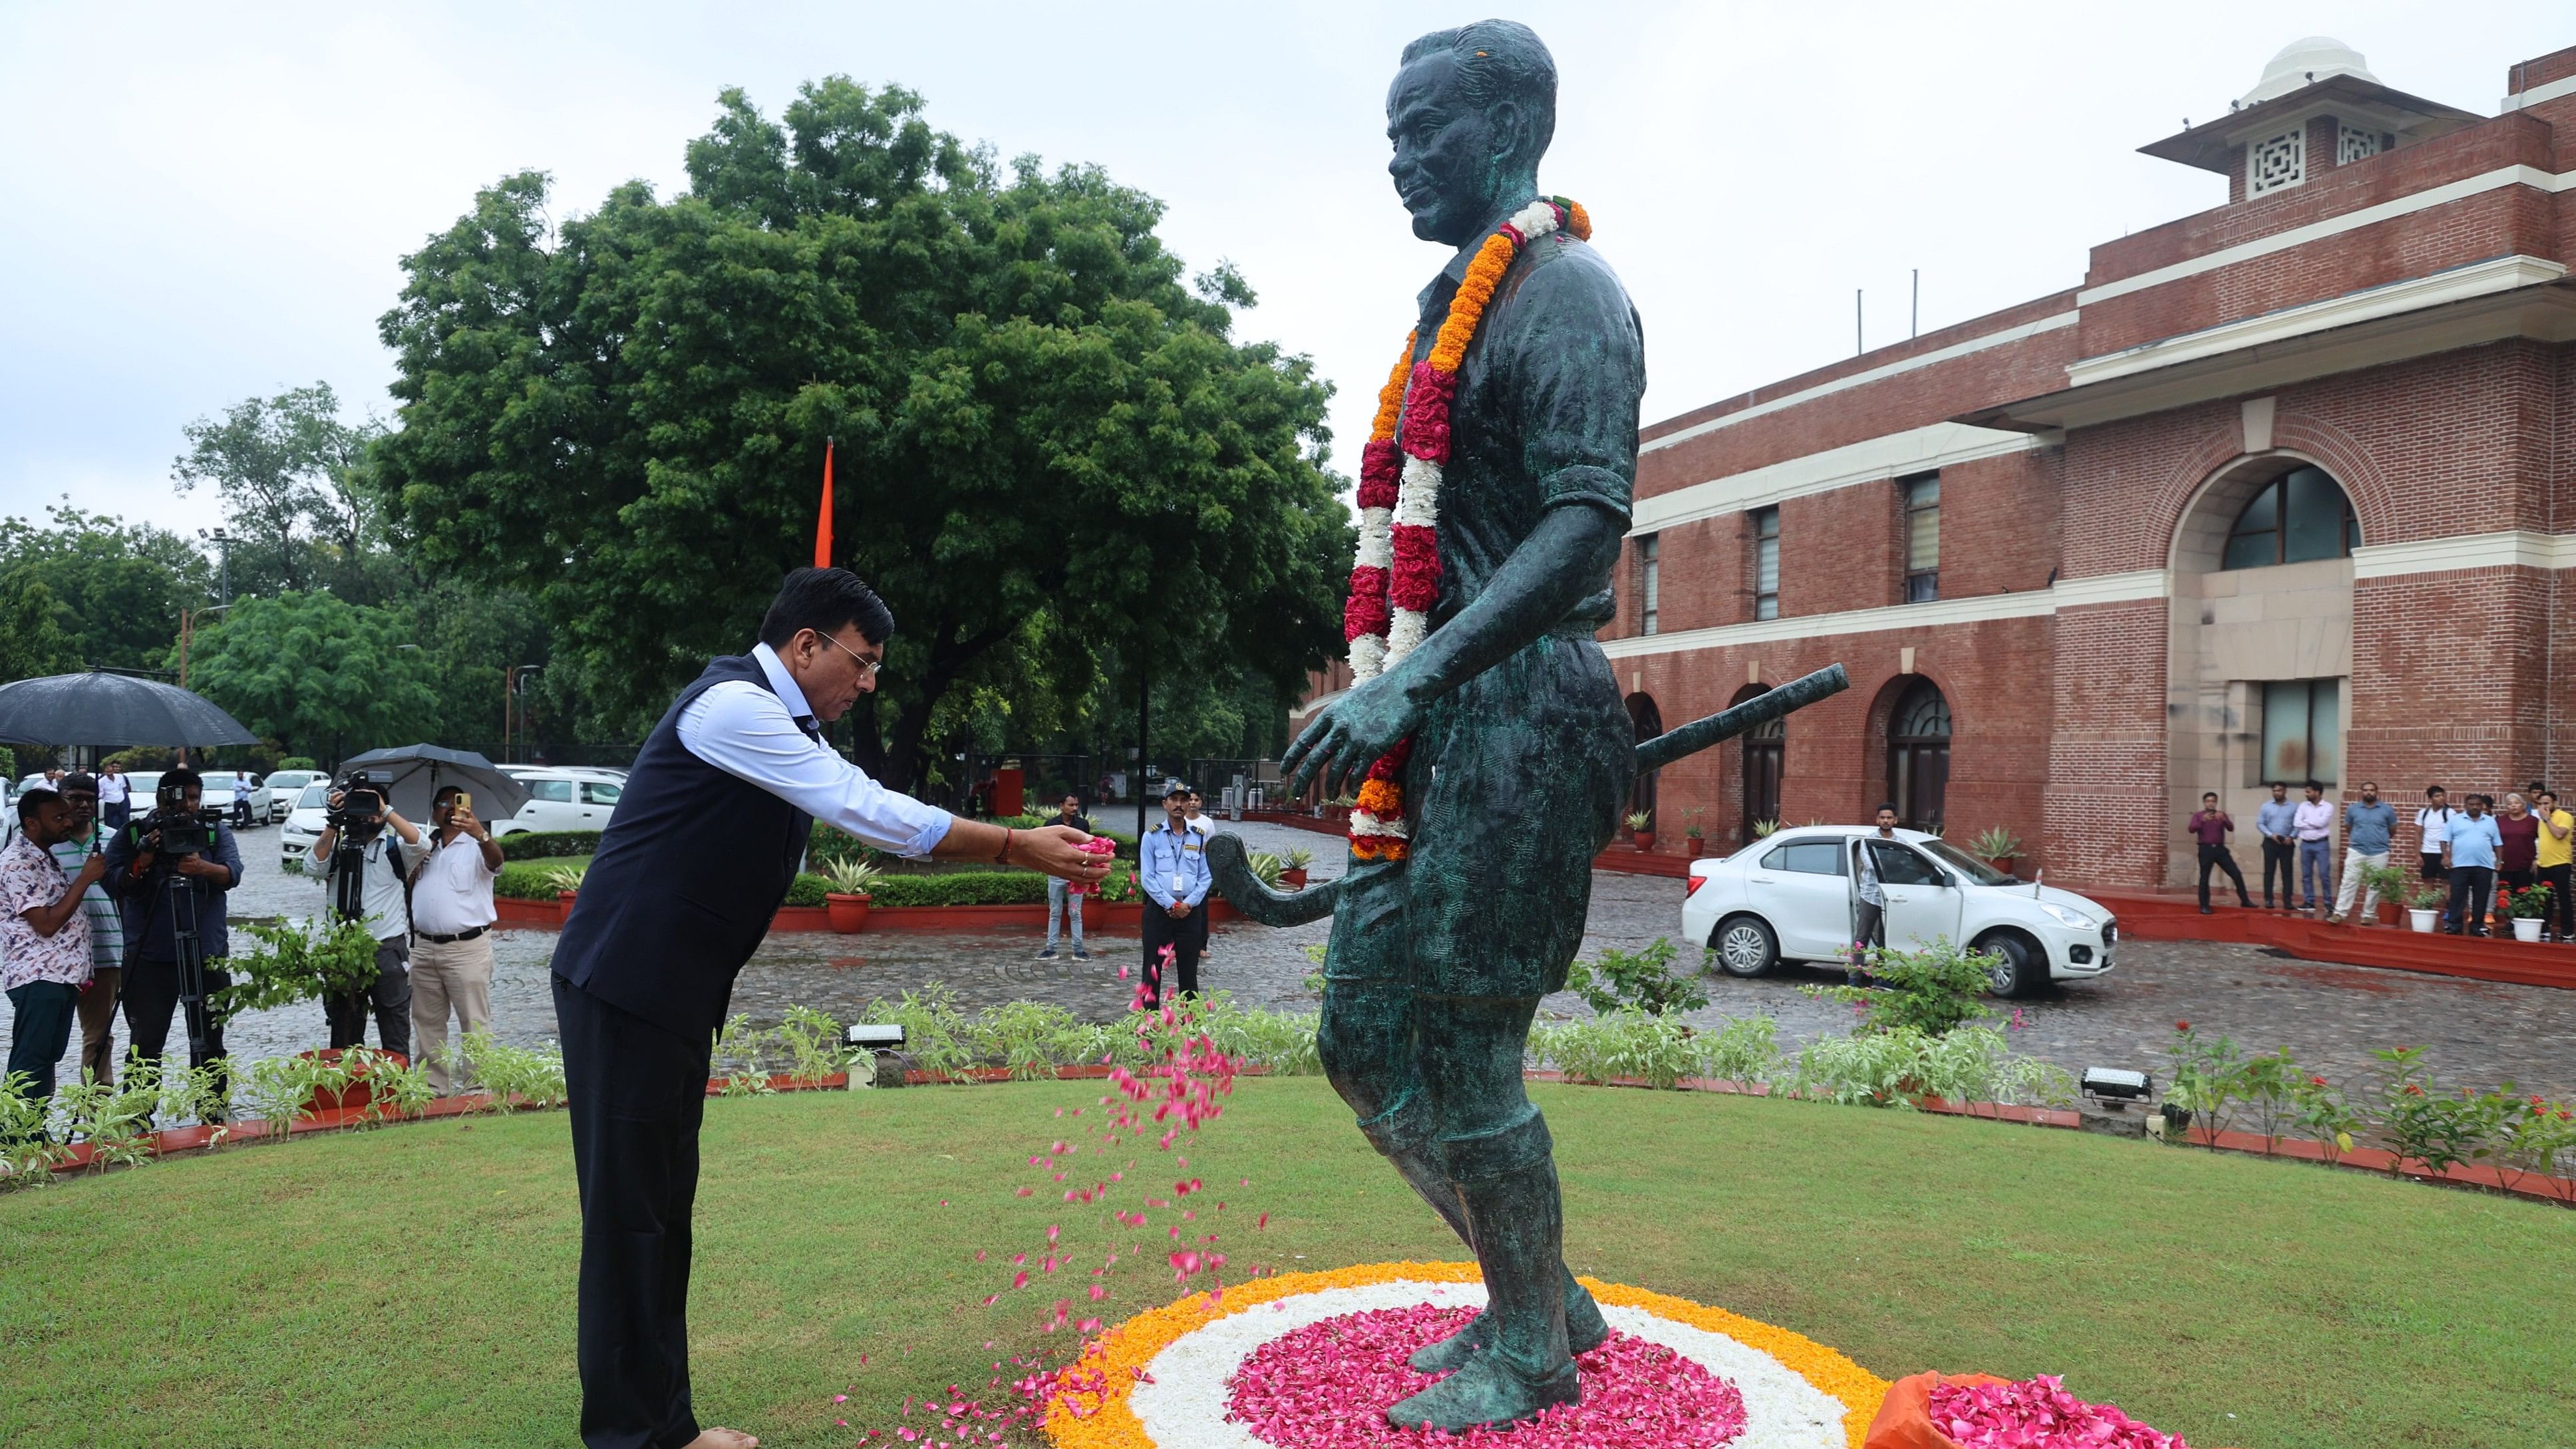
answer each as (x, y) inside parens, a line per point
(2330, 1017)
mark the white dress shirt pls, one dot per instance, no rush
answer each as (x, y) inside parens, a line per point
(751, 733)
(380, 886)
(451, 893)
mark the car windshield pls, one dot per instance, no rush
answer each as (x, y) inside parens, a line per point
(219, 780)
(1965, 864)
(316, 796)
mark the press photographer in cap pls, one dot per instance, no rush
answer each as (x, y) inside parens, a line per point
(368, 851)
(172, 873)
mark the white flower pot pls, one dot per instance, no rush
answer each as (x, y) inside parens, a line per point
(2526, 928)
(2424, 921)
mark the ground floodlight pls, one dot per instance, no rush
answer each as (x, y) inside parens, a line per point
(2114, 1087)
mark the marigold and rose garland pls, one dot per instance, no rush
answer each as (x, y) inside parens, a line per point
(1396, 579)
(1090, 1409)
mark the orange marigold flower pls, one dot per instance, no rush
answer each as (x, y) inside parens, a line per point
(1382, 798)
(1390, 398)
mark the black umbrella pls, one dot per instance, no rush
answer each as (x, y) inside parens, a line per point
(99, 708)
(419, 770)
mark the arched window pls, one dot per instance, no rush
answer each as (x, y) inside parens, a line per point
(1648, 722)
(2295, 518)
(1918, 755)
(1765, 749)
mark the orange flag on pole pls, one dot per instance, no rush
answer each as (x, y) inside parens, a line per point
(823, 528)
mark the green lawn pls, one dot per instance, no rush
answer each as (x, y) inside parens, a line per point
(414, 1285)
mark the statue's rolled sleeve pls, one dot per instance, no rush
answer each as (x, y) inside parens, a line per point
(1580, 375)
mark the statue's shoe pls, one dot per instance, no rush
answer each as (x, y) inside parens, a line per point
(1488, 1390)
(1584, 1332)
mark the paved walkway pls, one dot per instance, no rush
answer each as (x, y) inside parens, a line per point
(2330, 1017)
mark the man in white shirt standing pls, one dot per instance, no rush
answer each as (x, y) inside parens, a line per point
(369, 881)
(2313, 821)
(2433, 823)
(451, 925)
(115, 797)
(701, 851)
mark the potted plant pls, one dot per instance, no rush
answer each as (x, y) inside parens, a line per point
(566, 882)
(2424, 907)
(1694, 839)
(2529, 908)
(2389, 881)
(1294, 875)
(1765, 829)
(1996, 847)
(846, 903)
(1641, 831)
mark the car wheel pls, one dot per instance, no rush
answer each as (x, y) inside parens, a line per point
(2017, 969)
(1745, 946)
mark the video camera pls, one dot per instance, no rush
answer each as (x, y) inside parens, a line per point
(361, 811)
(173, 830)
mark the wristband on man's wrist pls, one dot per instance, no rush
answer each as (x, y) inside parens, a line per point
(1003, 856)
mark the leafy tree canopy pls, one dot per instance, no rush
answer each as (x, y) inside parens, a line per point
(316, 673)
(115, 588)
(292, 476)
(31, 643)
(1044, 432)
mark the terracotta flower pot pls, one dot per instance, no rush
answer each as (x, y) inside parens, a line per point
(849, 913)
(1644, 840)
(2002, 863)
(2388, 912)
(1696, 845)
(1294, 877)
(563, 901)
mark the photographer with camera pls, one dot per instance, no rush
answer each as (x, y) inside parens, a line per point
(451, 918)
(368, 851)
(172, 872)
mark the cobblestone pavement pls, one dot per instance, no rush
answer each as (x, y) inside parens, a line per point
(2330, 1017)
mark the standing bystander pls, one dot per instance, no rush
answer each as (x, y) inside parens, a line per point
(1063, 902)
(2209, 827)
(2550, 860)
(2475, 844)
(44, 934)
(2315, 823)
(2278, 823)
(2516, 859)
(1871, 927)
(2433, 831)
(115, 796)
(383, 849)
(1173, 868)
(106, 932)
(173, 894)
(451, 920)
(2369, 823)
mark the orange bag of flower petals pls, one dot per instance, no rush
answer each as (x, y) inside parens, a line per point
(1905, 1418)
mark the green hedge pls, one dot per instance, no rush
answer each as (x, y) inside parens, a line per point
(965, 888)
(541, 844)
(525, 880)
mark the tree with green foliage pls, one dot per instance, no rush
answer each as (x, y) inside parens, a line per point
(316, 673)
(292, 476)
(1044, 433)
(117, 588)
(31, 643)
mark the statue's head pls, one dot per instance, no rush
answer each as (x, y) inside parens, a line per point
(1470, 114)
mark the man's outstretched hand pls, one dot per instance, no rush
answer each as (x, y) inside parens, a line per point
(1347, 738)
(1058, 851)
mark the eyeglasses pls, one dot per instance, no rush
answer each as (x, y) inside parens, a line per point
(868, 668)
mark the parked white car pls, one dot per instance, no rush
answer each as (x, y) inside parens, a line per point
(1794, 896)
(283, 789)
(304, 822)
(562, 799)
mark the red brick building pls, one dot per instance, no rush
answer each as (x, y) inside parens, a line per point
(2285, 488)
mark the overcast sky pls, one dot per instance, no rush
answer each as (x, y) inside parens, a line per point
(202, 203)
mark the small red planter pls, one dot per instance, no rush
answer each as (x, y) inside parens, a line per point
(352, 1098)
(848, 913)
(1644, 840)
(1294, 877)
(563, 904)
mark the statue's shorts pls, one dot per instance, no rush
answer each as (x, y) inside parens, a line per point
(1517, 780)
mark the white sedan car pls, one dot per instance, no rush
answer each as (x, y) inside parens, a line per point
(1794, 896)
(304, 824)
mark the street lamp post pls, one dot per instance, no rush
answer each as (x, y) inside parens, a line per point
(514, 680)
(187, 629)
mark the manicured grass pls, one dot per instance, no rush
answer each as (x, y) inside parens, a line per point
(414, 1285)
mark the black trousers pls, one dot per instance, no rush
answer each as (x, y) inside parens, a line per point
(1188, 939)
(637, 1094)
(346, 1016)
(2432, 867)
(2284, 856)
(2560, 879)
(152, 995)
(40, 1030)
(2218, 857)
(2472, 893)
(1869, 930)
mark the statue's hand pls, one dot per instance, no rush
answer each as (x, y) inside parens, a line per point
(1347, 738)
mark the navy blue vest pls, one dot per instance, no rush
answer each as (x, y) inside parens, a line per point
(694, 864)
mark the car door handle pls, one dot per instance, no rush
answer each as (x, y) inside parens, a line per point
(1895, 898)
(1764, 880)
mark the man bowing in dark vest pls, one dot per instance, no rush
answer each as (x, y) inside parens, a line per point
(694, 864)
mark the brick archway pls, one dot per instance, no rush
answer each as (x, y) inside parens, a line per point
(2219, 475)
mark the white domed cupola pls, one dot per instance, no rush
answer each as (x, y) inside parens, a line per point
(2317, 107)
